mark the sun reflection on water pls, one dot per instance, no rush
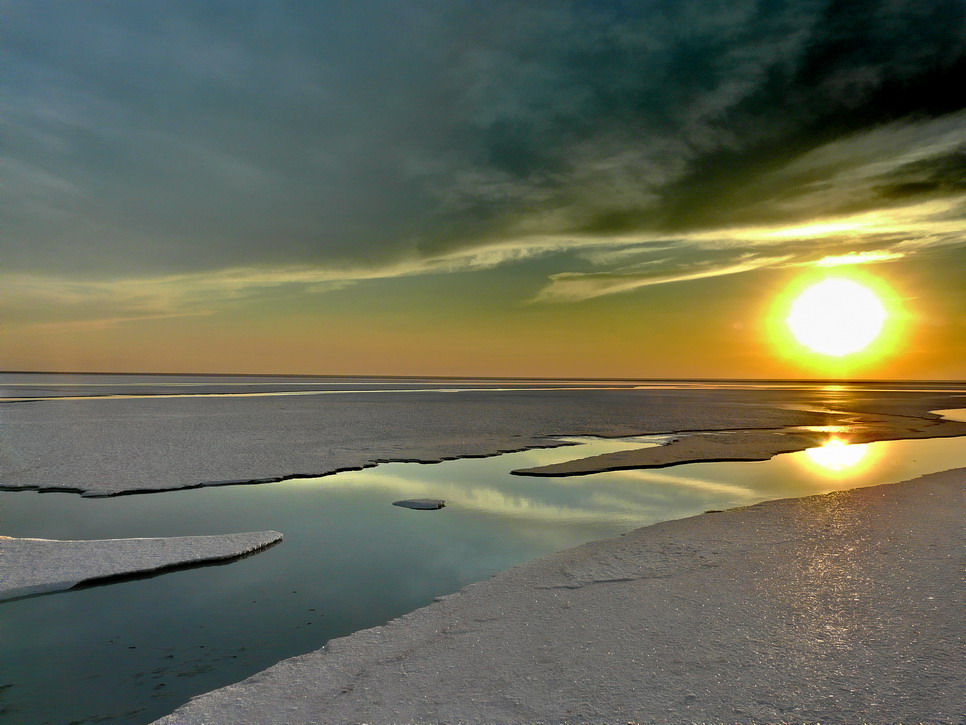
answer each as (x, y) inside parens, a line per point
(838, 456)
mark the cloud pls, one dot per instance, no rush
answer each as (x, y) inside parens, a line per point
(866, 257)
(614, 264)
(350, 133)
(161, 161)
(63, 299)
(856, 174)
(940, 174)
(574, 287)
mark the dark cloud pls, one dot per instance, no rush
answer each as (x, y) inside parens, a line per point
(162, 137)
(940, 175)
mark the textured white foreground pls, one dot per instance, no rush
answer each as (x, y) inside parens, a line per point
(841, 607)
(35, 566)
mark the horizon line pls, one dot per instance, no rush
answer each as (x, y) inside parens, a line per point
(491, 377)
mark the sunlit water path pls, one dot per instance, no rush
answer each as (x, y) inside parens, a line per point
(129, 652)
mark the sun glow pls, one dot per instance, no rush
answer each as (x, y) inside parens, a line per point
(836, 325)
(837, 457)
(836, 317)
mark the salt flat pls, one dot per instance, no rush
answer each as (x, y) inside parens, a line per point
(842, 607)
(797, 612)
(103, 447)
(37, 566)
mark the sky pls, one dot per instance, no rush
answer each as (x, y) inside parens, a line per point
(445, 187)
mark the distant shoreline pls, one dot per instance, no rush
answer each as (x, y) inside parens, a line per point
(330, 376)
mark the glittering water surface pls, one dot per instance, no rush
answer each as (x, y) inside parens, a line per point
(132, 651)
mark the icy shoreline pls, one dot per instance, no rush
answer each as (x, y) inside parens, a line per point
(835, 607)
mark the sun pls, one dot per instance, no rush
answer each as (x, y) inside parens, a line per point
(836, 317)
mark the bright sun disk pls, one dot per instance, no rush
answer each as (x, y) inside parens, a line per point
(836, 317)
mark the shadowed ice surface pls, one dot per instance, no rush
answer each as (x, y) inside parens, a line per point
(135, 650)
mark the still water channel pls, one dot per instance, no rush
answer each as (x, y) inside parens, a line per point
(132, 651)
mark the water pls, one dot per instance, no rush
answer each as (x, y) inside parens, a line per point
(952, 414)
(52, 387)
(130, 652)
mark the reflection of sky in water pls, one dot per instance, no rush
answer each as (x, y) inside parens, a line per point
(637, 497)
(349, 560)
(953, 414)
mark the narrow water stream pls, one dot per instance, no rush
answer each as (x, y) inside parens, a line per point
(130, 652)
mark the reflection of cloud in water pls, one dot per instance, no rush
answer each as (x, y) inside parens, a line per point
(689, 482)
(489, 499)
(613, 498)
(621, 500)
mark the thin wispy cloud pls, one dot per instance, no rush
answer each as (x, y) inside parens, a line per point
(573, 287)
(869, 257)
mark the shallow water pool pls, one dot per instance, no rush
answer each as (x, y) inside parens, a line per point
(132, 651)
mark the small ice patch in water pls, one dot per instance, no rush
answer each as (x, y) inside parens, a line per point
(421, 504)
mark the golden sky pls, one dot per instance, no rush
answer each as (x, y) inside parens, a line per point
(574, 190)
